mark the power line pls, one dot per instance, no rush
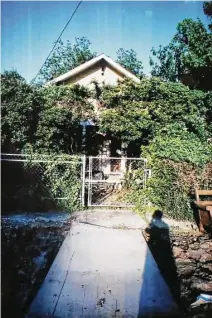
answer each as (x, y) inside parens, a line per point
(58, 38)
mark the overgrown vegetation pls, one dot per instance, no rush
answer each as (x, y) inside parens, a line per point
(160, 118)
(179, 163)
(172, 123)
(42, 183)
(141, 110)
(188, 57)
(129, 60)
(47, 118)
(42, 121)
(21, 105)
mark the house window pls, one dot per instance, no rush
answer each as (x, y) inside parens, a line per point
(103, 70)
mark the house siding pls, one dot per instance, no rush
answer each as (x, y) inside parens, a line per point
(85, 78)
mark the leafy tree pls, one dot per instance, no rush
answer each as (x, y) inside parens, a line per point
(129, 60)
(175, 142)
(128, 122)
(172, 124)
(46, 118)
(180, 162)
(136, 112)
(168, 65)
(188, 57)
(196, 56)
(59, 129)
(21, 105)
(65, 58)
(207, 8)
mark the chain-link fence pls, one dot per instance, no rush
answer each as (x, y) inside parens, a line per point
(40, 183)
(46, 183)
(108, 179)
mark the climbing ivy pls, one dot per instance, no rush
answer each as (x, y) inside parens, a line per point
(179, 162)
(42, 183)
(138, 111)
(61, 177)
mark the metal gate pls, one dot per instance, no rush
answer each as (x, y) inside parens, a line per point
(106, 180)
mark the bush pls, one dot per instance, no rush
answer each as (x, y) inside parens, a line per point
(176, 143)
(21, 106)
(42, 183)
(179, 162)
(47, 118)
(138, 111)
(171, 187)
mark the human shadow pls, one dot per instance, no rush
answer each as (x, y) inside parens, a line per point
(156, 299)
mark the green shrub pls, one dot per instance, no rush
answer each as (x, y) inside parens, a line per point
(171, 188)
(42, 183)
(62, 177)
(176, 143)
(136, 112)
(179, 162)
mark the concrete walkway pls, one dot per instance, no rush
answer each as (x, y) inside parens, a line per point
(104, 269)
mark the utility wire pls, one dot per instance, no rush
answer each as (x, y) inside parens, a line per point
(58, 39)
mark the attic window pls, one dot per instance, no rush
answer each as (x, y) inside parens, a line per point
(103, 70)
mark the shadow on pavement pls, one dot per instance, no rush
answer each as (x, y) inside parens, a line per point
(157, 234)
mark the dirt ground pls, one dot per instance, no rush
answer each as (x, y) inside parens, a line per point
(28, 251)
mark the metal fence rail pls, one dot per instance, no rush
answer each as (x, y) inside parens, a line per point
(107, 179)
(40, 182)
(43, 182)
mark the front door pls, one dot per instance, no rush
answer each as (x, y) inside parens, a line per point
(115, 151)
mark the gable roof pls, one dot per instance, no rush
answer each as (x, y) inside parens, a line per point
(92, 62)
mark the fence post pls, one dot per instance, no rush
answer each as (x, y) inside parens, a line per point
(90, 180)
(83, 179)
(145, 173)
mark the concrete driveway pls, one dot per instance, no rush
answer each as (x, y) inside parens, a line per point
(104, 269)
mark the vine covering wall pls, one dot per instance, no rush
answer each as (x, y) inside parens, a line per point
(168, 123)
(41, 183)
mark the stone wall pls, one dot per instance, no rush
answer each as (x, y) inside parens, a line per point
(185, 260)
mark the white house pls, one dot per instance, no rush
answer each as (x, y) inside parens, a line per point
(103, 70)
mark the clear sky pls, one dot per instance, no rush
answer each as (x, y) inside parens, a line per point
(29, 28)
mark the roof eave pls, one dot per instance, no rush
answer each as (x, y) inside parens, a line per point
(90, 63)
